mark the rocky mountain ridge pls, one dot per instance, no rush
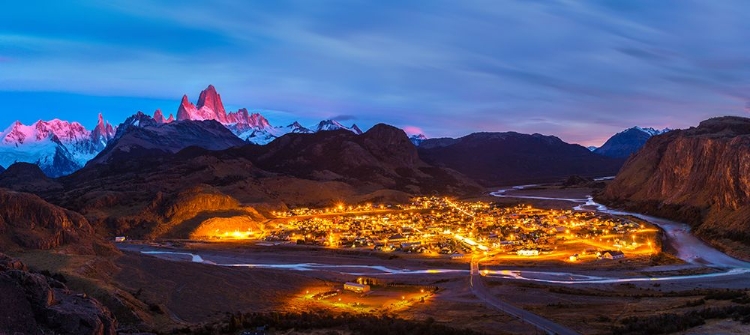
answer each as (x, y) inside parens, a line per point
(697, 175)
(251, 127)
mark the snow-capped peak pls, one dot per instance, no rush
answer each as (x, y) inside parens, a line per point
(58, 147)
(296, 127)
(327, 125)
(652, 131)
(18, 133)
(417, 139)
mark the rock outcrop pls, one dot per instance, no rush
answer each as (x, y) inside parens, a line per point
(28, 221)
(33, 303)
(700, 176)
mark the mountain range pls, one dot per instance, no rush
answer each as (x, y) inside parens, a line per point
(62, 147)
(58, 147)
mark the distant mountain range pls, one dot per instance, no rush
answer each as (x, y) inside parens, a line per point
(62, 147)
(58, 147)
(495, 159)
(627, 142)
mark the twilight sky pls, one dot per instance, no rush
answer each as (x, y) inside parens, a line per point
(580, 70)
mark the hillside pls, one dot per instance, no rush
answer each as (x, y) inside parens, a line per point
(699, 176)
(29, 222)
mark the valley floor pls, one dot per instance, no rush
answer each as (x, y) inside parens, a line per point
(164, 286)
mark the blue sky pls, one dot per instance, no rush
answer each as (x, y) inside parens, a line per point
(581, 70)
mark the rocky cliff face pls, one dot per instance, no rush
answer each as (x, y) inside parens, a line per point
(30, 222)
(700, 175)
(36, 304)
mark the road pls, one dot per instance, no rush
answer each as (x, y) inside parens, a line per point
(481, 291)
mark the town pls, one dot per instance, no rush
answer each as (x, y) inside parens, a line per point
(441, 227)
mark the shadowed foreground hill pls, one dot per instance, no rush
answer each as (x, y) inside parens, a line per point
(36, 304)
(29, 222)
(509, 158)
(699, 176)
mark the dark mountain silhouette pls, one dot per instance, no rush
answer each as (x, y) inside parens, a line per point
(511, 158)
(142, 135)
(627, 142)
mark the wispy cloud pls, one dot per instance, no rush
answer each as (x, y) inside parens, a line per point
(580, 70)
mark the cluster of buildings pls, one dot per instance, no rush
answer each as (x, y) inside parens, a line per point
(437, 225)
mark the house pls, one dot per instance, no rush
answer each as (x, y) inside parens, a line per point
(396, 238)
(119, 239)
(612, 254)
(528, 252)
(355, 287)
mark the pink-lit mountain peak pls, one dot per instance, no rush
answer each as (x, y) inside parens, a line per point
(210, 107)
(159, 117)
(209, 102)
(103, 132)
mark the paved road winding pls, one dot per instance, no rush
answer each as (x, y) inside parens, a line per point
(481, 291)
